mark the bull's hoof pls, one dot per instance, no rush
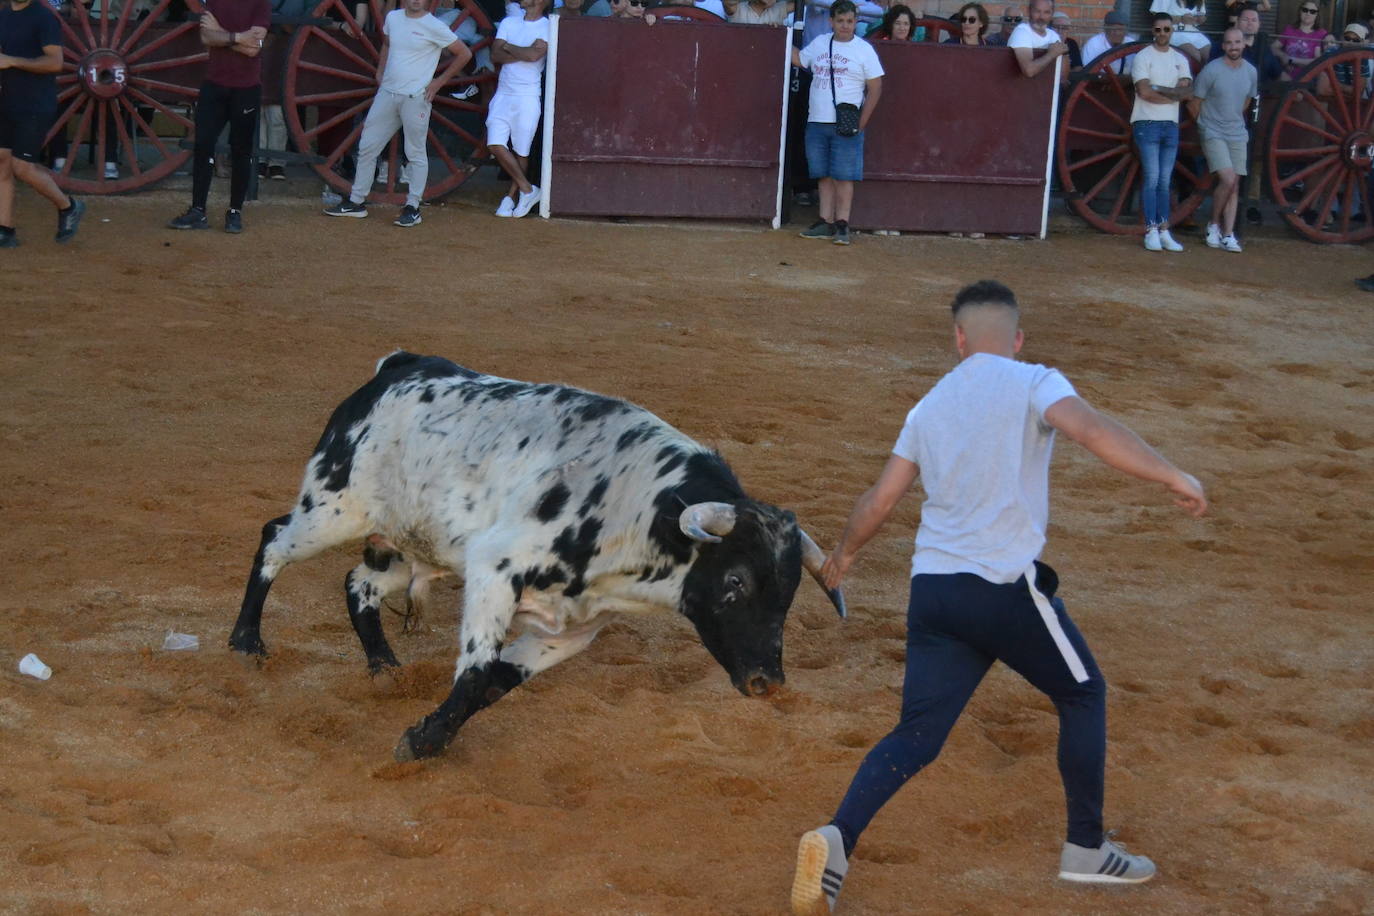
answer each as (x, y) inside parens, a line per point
(382, 664)
(417, 744)
(249, 642)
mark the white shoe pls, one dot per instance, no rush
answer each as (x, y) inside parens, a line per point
(111, 170)
(1167, 242)
(1152, 240)
(1230, 244)
(1213, 235)
(383, 172)
(527, 201)
(465, 93)
(59, 164)
(507, 207)
(821, 867)
(405, 174)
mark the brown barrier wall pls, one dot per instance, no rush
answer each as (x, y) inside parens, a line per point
(959, 143)
(674, 119)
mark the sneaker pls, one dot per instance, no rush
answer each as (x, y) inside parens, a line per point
(276, 172)
(59, 164)
(841, 234)
(466, 92)
(804, 199)
(383, 172)
(1152, 240)
(1230, 244)
(1107, 864)
(821, 867)
(193, 218)
(1253, 216)
(820, 229)
(1213, 235)
(69, 219)
(111, 171)
(347, 207)
(507, 207)
(1364, 283)
(1166, 241)
(10, 239)
(233, 221)
(410, 216)
(405, 174)
(526, 202)
(262, 169)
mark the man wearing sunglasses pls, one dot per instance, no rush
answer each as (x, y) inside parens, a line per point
(1011, 18)
(1029, 37)
(1163, 79)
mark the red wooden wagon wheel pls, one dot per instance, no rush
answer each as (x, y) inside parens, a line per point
(326, 67)
(683, 11)
(1099, 165)
(122, 84)
(1321, 146)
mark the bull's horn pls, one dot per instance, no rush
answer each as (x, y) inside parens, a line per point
(707, 522)
(813, 558)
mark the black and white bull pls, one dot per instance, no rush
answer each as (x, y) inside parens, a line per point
(559, 508)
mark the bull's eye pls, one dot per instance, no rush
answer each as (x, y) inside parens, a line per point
(734, 583)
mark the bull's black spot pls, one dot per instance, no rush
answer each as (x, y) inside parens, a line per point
(542, 579)
(567, 423)
(504, 391)
(503, 565)
(551, 504)
(471, 647)
(594, 407)
(594, 496)
(670, 458)
(307, 503)
(565, 395)
(523, 442)
(633, 435)
(380, 560)
(575, 547)
(427, 395)
(544, 389)
(517, 584)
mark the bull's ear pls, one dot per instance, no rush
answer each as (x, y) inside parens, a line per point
(813, 558)
(708, 522)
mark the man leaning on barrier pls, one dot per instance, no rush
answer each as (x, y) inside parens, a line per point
(845, 70)
(1029, 37)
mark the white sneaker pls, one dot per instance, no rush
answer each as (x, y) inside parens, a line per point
(1107, 864)
(59, 164)
(383, 172)
(1213, 235)
(1152, 240)
(405, 174)
(527, 201)
(507, 207)
(1230, 244)
(111, 170)
(821, 867)
(465, 93)
(1167, 242)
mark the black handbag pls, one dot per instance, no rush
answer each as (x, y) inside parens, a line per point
(846, 113)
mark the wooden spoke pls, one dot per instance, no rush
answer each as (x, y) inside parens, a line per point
(148, 131)
(346, 115)
(161, 86)
(1100, 157)
(1127, 190)
(344, 147)
(1107, 110)
(1305, 173)
(366, 69)
(343, 95)
(435, 116)
(156, 43)
(169, 63)
(1090, 195)
(165, 111)
(1099, 134)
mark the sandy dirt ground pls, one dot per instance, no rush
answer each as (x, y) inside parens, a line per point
(163, 391)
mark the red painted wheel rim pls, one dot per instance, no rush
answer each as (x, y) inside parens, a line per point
(1321, 144)
(118, 78)
(326, 67)
(683, 11)
(1098, 163)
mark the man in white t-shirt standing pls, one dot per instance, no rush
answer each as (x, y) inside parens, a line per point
(412, 41)
(522, 42)
(1162, 79)
(1029, 37)
(844, 70)
(981, 440)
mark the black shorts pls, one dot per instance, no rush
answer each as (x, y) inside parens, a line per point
(23, 134)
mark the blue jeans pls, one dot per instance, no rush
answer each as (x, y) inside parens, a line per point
(1158, 145)
(828, 155)
(957, 626)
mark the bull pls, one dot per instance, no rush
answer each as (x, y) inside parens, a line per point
(559, 508)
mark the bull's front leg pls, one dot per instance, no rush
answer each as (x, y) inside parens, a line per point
(481, 678)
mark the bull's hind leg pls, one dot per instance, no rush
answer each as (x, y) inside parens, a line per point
(382, 572)
(310, 528)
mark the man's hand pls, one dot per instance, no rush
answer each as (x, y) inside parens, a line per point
(836, 566)
(433, 89)
(208, 21)
(1058, 49)
(6, 61)
(1191, 498)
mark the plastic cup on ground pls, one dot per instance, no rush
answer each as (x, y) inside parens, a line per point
(33, 666)
(177, 642)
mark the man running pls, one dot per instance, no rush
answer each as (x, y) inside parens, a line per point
(981, 441)
(30, 59)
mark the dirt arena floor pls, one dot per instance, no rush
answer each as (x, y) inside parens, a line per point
(163, 391)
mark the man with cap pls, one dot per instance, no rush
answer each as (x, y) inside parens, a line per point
(1061, 23)
(1113, 35)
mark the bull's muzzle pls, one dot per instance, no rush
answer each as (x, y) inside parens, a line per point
(759, 684)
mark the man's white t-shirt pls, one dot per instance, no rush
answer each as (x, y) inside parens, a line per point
(415, 46)
(745, 14)
(855, 63)
(983, 447)
(521, 77)
(1023, 36)
(1162, 68)
(1099, 44)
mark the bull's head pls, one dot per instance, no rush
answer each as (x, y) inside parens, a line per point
(739, 589)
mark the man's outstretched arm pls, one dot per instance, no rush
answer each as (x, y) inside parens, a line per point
(869, 513)
(1116, 445)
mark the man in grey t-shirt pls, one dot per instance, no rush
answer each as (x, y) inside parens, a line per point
(981, 442)
(1221, 95)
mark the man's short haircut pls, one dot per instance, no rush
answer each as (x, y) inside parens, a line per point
(984, 292)
(1162, 16)
(843, 6)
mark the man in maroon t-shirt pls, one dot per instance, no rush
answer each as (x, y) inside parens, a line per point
(233, 30)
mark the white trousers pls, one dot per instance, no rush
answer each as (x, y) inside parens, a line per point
(389, 111)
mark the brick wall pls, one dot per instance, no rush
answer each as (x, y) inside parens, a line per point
(1086, 15)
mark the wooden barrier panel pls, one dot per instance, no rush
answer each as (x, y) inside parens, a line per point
(960, 142)
(679, 118)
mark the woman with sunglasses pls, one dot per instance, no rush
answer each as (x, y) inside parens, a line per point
(899, 24)
(972, 20)
(1300, 43)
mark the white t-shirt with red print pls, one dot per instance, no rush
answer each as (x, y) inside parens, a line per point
(855, 64)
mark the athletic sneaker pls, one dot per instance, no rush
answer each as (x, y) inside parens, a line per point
(347, 207)
(1152, 240)
(69, 219)
(1107, 864)
(507, 207)
(841, 234)
(821, 867)
(526, 202)
(410, 216)
(276, 172)
(383, 172)
(59, 163)
(233, 221)
(193, 218)
(111, 171)
(820, 229)
(1166, 241)
(1230, 244)
(1213, 235)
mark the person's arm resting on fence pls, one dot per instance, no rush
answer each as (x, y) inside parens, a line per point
(870, 512)
(461, 56)
(50, 62)
(1032, 65)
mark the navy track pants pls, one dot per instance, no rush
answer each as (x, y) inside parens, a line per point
(957, 626)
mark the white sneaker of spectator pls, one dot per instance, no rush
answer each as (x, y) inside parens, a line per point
(466, 92)
(506, 208)
(1231, 244)
(1213, 235)
(1152, 240)
(59, 164)
(1166, 241)
(405, 174)
(383, 172)
(111, 170)
(527, 201)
